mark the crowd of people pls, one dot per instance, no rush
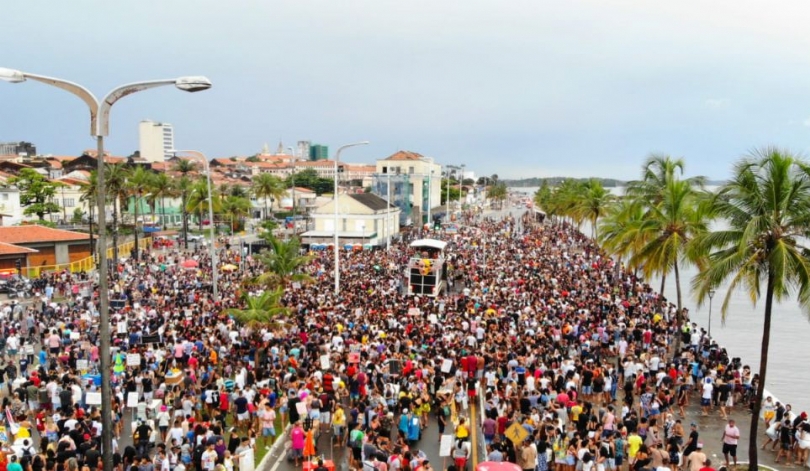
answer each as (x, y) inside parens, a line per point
(537, 323)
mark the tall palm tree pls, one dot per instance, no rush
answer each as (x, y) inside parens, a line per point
(88, 195)
(266, 186)
(669, 228)
(282, 262)
(766, 205)
(184, 166)
(116, 180)
(197, 201)
(161, 187)
(138, 180)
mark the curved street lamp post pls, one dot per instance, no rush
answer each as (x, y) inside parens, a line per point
(99, 128)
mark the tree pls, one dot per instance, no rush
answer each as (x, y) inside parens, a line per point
(236, 209)
(263, 310)
(89, 192)
(116, 179)
(36, 193)
(282, 262)
(78, 216)
(669, 228)
(620, 230)
(766, 206)
(184, 166)
(138, 180)
(308, 178)
(267, 186)
(497, 192)
(161, 187)
(593, 202)
(197, 201)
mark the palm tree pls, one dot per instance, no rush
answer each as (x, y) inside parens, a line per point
(160, 187)
(766, 205)
(619, 231)
(592, 202)
(89, 191)
(669, 228)
(267, 186)
(497, 192)
(138, 180)
(264, 310)
(197, 201)
(236, 208)
(116, 179)
(282, 262)
(184, 166)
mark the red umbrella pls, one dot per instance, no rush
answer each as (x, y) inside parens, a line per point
(189, 263)
(497, 466)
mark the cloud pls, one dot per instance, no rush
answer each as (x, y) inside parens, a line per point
(716, 103)
(806, 122)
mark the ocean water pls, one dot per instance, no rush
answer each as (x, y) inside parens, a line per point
(788, 376)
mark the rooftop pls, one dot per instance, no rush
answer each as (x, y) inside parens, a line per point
(32, 234)
(11, 249)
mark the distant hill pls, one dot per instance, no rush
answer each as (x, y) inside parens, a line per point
(553, 181)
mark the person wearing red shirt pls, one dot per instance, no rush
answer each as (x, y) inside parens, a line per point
(707, 465)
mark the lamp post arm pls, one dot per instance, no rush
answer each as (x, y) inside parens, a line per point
(116, 94)
(74, 88)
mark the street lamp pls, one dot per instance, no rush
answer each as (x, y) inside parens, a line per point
(711, 296)
(295, 157)
(99, 128)
(337, 247)
(215, 272)
(460, 186)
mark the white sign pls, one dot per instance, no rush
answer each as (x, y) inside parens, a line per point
(324, 362)
(122, 327)
(433, 318)
(132, 399)
(301, 407)
(81, 365)
(446, 445)
(94, 398)
(133, 359)
(414, 311)
(446, 365)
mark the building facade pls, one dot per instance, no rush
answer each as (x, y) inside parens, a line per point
(420, 179)
(362, 219)
(156, 140)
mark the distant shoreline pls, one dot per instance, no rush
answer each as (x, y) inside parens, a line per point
(553, 181)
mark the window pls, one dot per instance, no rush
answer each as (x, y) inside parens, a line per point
(410, 170)
(69, 202)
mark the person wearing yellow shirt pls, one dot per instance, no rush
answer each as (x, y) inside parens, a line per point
(339, 423)
(634, 442)
(575, 411)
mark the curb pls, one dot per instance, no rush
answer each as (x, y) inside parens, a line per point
(743, 465)
(280, 441)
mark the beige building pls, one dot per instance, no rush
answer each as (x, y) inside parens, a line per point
(362, 219)
(424, 180)
(156, 140)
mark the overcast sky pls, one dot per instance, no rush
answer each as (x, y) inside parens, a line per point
(517, 88)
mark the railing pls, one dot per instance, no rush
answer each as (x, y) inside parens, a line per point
(85, 264)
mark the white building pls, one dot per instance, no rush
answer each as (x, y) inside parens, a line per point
(362, 218)
(10, 209)
(156, 140)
